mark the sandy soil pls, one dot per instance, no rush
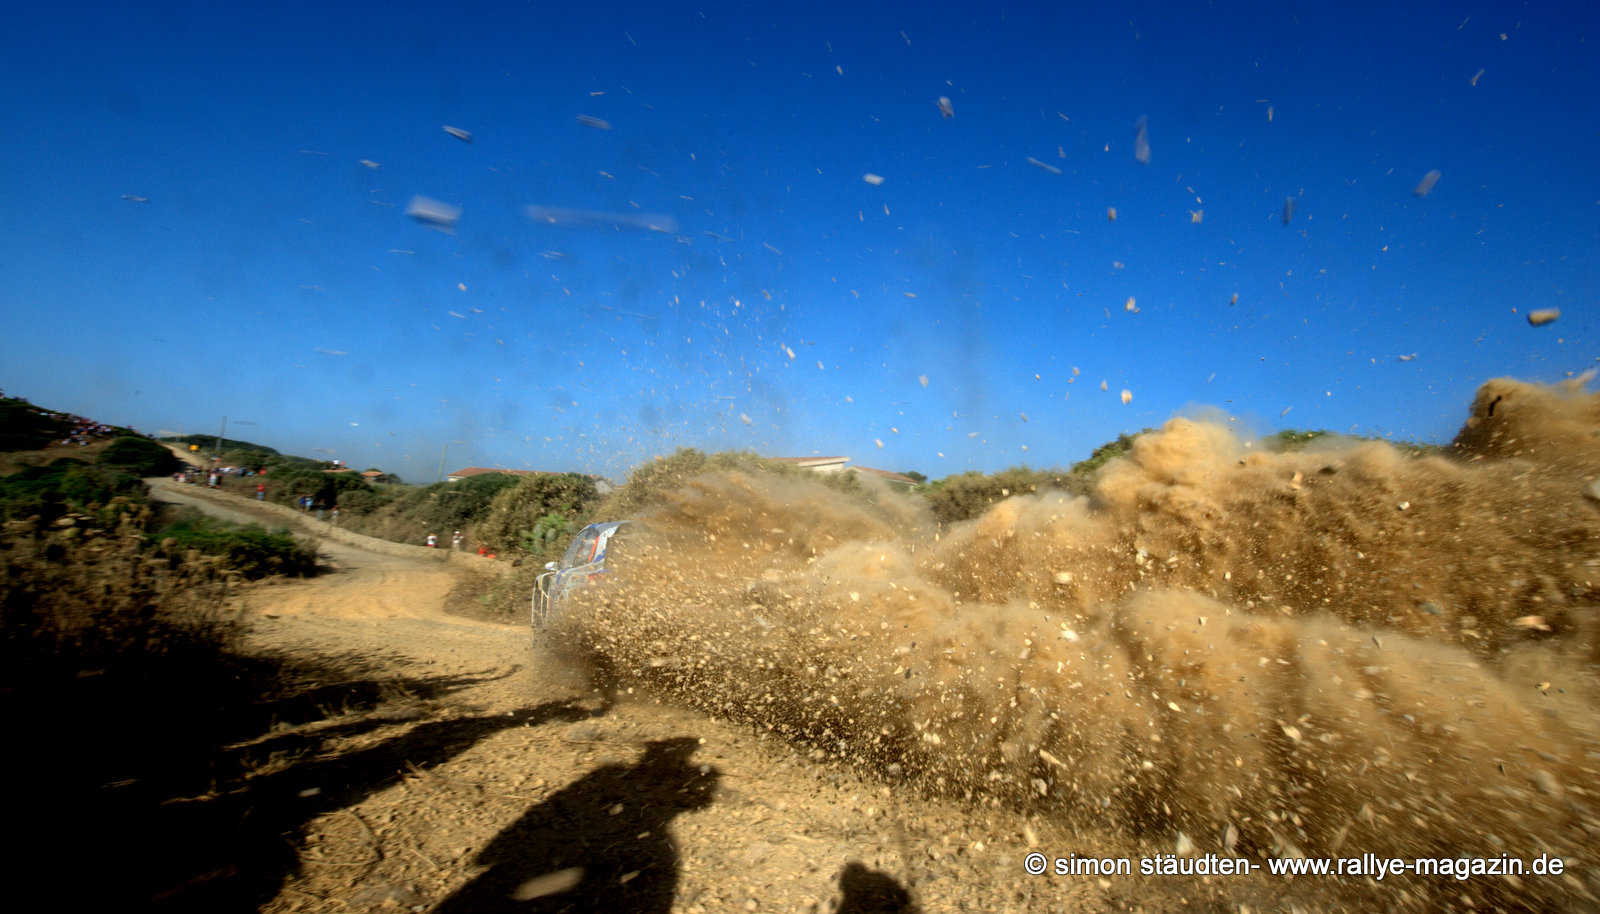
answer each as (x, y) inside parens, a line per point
(487, 775)
(511, 769)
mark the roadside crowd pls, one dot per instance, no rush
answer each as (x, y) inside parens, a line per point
(86, 430)
(214, 475)
(83, 431)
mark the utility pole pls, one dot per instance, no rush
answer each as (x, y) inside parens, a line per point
(442, 451)
(220, 433)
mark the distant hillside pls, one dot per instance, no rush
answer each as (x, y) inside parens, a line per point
(25, 427)
(208, 443)
(33, 436)
(237, 453)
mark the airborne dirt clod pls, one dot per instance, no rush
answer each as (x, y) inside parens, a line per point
(1323, 653)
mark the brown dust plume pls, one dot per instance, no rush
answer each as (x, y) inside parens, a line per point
(1335, 651)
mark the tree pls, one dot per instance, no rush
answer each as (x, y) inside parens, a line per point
(538, 513)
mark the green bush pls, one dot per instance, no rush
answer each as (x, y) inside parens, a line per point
(243, 457)
(92, 630)
(67, 485)
(451, 505)
(250, 549)
(959, 498)
(1105, 453)
(137, 671)
(649, 481)
(539, 514)
(407, 514)
(287, 484)
(968, 495)
(139, 457)
(549, 534)
(356, 502)
(339, 486)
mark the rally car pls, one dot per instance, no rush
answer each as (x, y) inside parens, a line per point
(583, 563)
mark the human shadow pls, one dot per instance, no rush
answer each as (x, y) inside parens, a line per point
(864, 891)
(599, 844)
(232, 852)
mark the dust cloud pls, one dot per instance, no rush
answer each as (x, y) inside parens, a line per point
(1335, 651)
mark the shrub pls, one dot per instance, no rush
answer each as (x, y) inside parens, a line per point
(139, 457)
(288, 484)
(406, 514)
(539, 513)
(1290, 439)
(134, 669)
(67, 485)
(959, 498)
(968, 495)
(250, 549)
(549, 534)
(1105, 453)
(649, 481)
(336, 487)
(358, 502)
(456, 504)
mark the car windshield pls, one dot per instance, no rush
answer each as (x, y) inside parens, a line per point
(582, 550)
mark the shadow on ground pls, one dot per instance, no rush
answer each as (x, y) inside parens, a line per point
(599, 844)
(865, 891)
(150, 841)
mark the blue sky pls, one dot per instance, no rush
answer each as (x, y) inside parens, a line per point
(273, 278)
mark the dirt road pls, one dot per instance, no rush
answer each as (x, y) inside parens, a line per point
(457, 765)
(490, 764)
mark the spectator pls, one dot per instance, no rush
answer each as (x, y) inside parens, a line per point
(261, 492)
(455, 541)
(433, 541)
(334, 515)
